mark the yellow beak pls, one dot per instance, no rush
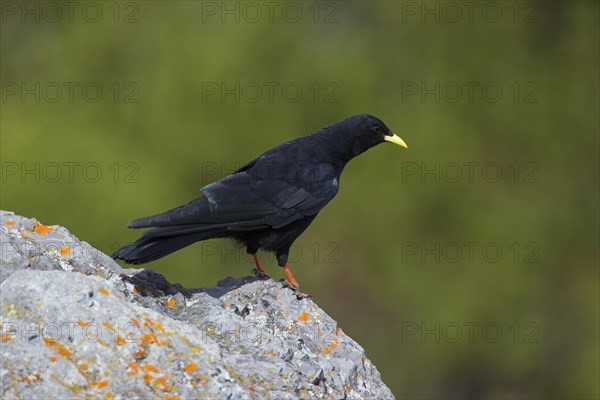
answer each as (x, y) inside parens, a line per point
(396, 140)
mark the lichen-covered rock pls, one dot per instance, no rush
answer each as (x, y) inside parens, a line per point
(75, 324)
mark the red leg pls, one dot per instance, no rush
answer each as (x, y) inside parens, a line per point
(292, 282)
(261, 272)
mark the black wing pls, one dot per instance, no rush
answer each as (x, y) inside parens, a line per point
(273, 195)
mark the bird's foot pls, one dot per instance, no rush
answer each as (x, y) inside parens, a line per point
(296, 289)
(261, 274)
(292, 284)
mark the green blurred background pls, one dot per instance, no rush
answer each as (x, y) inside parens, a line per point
(185, 99)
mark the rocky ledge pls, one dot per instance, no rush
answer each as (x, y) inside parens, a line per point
(74, 324)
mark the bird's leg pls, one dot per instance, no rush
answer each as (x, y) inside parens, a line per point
(259, 270)
(293, 284)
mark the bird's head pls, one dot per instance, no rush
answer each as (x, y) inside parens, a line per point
(360, 132)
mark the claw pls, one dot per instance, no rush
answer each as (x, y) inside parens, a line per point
(259, 274)
(300, 295)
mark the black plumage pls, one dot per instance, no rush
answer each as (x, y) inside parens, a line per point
(267, 203)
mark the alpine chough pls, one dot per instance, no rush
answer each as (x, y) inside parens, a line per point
(267, 203)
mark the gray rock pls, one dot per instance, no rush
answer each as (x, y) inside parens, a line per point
(75, 324)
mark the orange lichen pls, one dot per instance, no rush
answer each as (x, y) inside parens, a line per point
(109, 396)
(120, 340)
(9, 223)
(327, 350)
(53, 359)
(58, 347)
(303, 317)
(140, 353)
(40, 229)
(148, 323)
(82, 324)
(108, 326)
(191, 367)
(104, 291)
(163, 383)
(148, 338)
(102, 384)
(171, 302)
(334, 344)
(64, 250)
(102, 343)
(85, 367)
(136, 322)
(148, 369)
(6, 337)
(159, 327)
(135, 368)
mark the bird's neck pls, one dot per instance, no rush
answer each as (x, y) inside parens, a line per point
(336, 144)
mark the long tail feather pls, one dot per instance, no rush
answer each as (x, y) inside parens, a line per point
(149, 248)
(173, 230)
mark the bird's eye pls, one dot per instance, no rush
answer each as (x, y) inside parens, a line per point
(376, 129)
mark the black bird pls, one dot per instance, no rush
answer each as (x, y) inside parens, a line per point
(267, 203)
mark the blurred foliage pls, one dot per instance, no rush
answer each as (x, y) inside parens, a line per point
(356, 258)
